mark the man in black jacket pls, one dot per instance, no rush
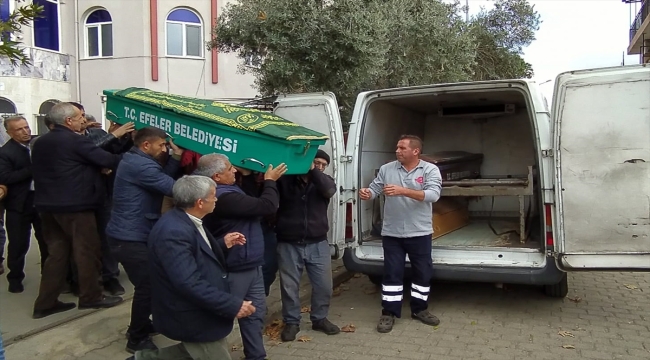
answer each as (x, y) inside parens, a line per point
(237, 212)
(302, 225)
(16, 173)
(114, 142)
(69, 189)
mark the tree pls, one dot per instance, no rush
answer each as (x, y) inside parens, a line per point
(12, 25)
(348, 46)
(501, 35)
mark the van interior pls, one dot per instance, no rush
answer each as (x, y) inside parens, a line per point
(482, 204)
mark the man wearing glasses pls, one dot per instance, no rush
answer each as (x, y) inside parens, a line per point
(302, 226)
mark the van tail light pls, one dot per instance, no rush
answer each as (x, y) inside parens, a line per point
(348, 221)
(549, 225)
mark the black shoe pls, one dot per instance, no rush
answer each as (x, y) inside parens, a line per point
(131, 358)
(386, 323)
(145, 344)
(325, 326)
(105, 302)
(426, 318)
(59, 307)
(113, 287)
(150, 331)
(16, 287)
(289, 332)
(2, 268)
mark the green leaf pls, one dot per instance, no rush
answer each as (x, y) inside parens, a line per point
(21, 16)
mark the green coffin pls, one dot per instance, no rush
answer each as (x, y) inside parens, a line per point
(251, 138)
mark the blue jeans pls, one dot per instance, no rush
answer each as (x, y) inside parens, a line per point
(270, 266)
(316, 259)
(249, 285)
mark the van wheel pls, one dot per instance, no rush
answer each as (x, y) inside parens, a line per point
(375, 279)
(558, 290)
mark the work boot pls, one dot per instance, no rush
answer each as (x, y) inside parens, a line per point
(386, 323)
(289, 332)
(426, 318)
(325, 326)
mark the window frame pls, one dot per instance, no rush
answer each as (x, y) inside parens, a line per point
(58, 15)
(99, 36)
(184, 26)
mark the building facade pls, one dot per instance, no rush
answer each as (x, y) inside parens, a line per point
(639, 29)
(78, 48)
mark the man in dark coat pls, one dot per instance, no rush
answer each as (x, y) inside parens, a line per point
(69, 188)
(16, 174)
(239, 212)
(191, 298)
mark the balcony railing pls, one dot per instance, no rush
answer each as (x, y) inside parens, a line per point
(45, 64)
(639, 19)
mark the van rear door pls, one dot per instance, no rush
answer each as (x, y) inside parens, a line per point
(320, 112)
(602, 169)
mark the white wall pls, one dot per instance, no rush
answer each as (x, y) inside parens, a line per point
(383, 127)
(28, 94)
(505, 142)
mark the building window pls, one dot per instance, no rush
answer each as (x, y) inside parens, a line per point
(184, 34)
(99, 34)
(7, 109)
(46, 26)
(46, 106)
(5, 11)
(253, 61)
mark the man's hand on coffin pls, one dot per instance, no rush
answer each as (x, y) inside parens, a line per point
(275, 173)
(122, 130)
(177, 150)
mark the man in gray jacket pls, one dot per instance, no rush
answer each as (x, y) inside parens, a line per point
(410, 186)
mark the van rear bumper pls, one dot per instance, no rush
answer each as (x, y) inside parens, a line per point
(547, 275)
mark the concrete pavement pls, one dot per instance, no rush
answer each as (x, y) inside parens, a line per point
(605, 316)
(100, 334)
(16, 309)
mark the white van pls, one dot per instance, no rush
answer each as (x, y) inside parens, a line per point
(589, 161)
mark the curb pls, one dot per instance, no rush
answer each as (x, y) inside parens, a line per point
(49, 326)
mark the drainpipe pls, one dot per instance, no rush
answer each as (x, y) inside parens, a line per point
(153, 33)
(76, 50)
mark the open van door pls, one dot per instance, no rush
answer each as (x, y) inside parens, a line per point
(602, 169)
(320, 112)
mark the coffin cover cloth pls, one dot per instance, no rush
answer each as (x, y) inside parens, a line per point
(224, 114)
